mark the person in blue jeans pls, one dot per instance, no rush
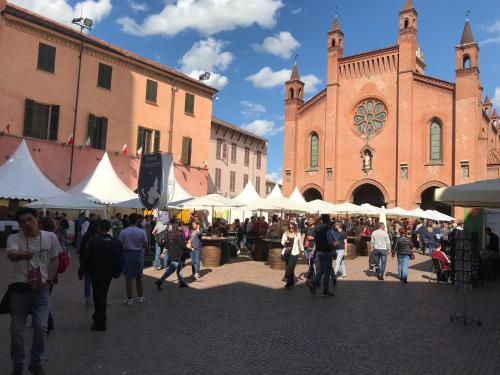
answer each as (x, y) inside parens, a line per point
(27, 250)
(309, 245)
(381, 243)
(430, 239)
(195, 244)
(403, 249)
(160, 227)
(323, 253)
(341, 237)
(176, 248)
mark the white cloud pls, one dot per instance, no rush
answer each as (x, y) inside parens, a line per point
(61, 11)
(264, 128)
(297, 10)
(267, 78)
(250, 108)
(216, 80)
(207, 56)
(205, 16)
(138, 6)
(496, 98)
(274, 176)
(493, 29)
(282, 44)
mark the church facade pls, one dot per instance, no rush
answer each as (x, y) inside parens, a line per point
(382, 131)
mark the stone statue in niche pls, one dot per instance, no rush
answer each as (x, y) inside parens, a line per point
(367, 161)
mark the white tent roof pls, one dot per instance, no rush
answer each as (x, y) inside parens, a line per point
(369, 209)
(477, 194)
(248, 194)
(275, 193)
(211, 200)
(440, 216)
(423, 214)
(20, 178)
(297, 197)
(66, 201)
(348, 207)
(103, 185)
(320, 206)
(398, 211)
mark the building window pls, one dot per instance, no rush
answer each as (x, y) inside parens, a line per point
(257, 184)
(464, 167)
(466, 62)
(217, 178)
(144, 139)
(187, 144)
(232, 181)
(369, 117)
(46, 58)
(189, 104)
(245, 180)
(329, 173)
(403, 171)
(233, 152)
(288, 175)
(41, 120)
(224, 150)
(247, 156)
(435, 141)
(259, 159)
(104, 76)
(151, 91)
(156, 147)
(97, 131)
(218, 149)
(313, 162)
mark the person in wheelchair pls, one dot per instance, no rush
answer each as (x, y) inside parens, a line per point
(443, 272)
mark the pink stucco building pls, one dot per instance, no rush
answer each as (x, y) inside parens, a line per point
(125, 101)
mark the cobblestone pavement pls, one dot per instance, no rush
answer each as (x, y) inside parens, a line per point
(240, 320)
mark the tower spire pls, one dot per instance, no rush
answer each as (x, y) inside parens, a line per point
(408, 4)
(295, 72)
(467, 36)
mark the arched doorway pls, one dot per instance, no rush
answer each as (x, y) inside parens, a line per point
(312, 194)
(368, 193)
(428, 202)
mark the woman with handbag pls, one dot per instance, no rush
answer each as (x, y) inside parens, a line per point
(293, 246)
(404, 251)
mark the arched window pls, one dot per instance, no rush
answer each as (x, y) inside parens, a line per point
(292, 93)
(300, 92)
(334, 42)
(313, 161)
(407, 23)
(466, 62)
(435, 141)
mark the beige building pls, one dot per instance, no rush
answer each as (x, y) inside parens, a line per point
(236, 157)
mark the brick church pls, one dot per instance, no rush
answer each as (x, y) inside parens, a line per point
(384, 132)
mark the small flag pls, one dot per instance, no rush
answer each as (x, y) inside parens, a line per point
(124, 149)
(205, 164)
(87, 143)
(70, 140)
(139, 152)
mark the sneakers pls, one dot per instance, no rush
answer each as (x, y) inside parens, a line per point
(141, 299)
(158, 284)
(183, 285)
(128, 302)
(36, 370)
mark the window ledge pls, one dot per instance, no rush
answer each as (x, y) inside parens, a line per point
(434, 164)
(189, 114)
(46, 71)
(103, 88)
(312, 169)
(151, 103)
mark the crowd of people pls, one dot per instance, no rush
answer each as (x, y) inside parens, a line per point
(108, 249)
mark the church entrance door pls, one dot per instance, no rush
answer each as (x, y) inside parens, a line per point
(428, 202)
(368, 193)
(312, 194)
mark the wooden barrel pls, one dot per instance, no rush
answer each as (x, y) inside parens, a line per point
(274, 259)
(210, 256)
(350, 252)
(261, 250)
(363, 249)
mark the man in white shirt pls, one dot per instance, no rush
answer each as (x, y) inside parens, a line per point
(381, 243)
(34, 256)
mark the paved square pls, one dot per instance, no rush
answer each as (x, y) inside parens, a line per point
(240, 320)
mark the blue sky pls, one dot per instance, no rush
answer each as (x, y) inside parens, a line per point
(249, 45)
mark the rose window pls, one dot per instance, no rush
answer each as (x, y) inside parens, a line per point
(369, 117)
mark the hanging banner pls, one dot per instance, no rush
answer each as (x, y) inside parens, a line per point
(155, 183)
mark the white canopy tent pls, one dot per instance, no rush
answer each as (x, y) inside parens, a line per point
(440, 216)
(297, 197)
(103, 185)
(275, 193)
(418, 212)
(248, 194)
(369, 209)
(20, 178)
(211, 200)
(320, 206)
(477, 194)
(347, 208)
(66, 201)
(399, 212)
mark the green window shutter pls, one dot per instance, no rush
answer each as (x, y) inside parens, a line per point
(435, 142)
(91, 130)
(103, 133)
(46, 57)
(104, 76)
(189, 103)
(151, 91)
(28, 117)
(54, 122)
(157, 141)
(140, 137)
(314, 152)
(186, 151)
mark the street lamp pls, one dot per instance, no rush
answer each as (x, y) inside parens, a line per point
(84, 23)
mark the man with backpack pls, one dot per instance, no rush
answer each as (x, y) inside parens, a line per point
(102, 261)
